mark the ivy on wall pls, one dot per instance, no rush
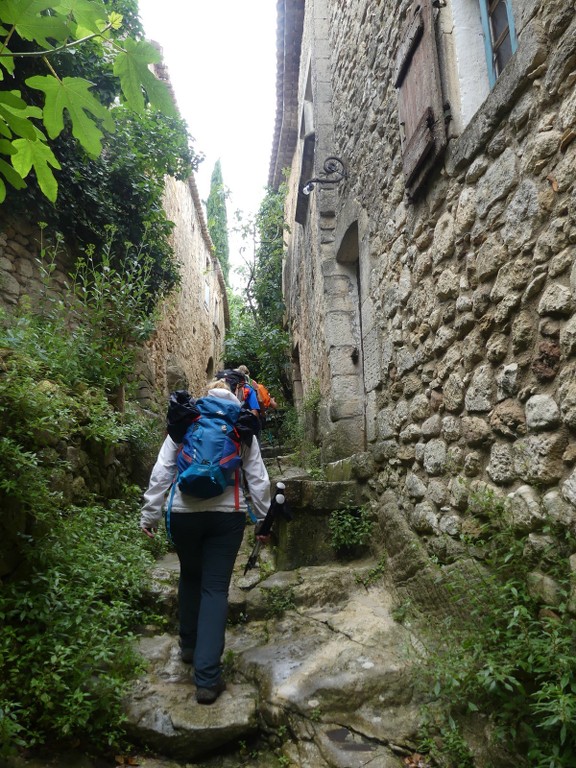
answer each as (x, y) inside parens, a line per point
(99, 128)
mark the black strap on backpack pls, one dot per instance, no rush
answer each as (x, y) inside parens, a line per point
(248, 425)
(181, 413)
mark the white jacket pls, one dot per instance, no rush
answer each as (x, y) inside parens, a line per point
(164, 473)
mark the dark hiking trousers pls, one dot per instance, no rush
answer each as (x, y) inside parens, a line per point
(207, 544)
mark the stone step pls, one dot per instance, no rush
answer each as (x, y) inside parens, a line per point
(163, 715)
(271, 451)
(312, 650)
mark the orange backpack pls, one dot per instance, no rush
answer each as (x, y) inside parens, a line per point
(263, 395)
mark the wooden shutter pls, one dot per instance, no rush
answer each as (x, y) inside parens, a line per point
(420, 102)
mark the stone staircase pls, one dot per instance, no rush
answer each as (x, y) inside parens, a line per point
(319, 673)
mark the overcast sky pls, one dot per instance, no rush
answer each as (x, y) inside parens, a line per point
(221, 57)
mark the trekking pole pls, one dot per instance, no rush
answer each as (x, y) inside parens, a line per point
(277, 507)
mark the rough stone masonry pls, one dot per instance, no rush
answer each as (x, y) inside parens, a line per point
(458, 303)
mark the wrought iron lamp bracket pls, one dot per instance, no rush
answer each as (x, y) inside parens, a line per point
(333, 172)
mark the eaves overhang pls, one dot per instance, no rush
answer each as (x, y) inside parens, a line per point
(289, 46)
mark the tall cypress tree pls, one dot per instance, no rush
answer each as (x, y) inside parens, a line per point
(218, 219)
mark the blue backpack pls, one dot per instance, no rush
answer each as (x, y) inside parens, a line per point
(209, 458)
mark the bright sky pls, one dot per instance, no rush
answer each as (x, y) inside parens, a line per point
(221, 57)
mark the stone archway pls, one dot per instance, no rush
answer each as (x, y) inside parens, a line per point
(342, 290)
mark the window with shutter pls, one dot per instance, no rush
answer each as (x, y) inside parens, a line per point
(420, 102)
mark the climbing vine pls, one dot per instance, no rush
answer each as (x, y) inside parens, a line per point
(115, 176)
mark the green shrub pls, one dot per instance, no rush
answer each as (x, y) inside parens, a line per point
(66, 648)
(442, 740)
(350, 528)
(313, 398)
(507, 654)
(374, 574)
(45, 403)
(294, 437)
(279, 600)
(67, 612)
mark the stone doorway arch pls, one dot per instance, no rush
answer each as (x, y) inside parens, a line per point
(343, 294)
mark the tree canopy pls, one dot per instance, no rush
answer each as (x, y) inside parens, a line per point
(257, 337)
(113, 160)
(218, 219)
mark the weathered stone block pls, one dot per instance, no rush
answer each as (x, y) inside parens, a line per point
(538, 458)
(479, 396)
(501, 466)
(435, 457)
(542, 413)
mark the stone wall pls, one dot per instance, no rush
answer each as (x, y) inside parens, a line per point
(465, 333)
(188, 344)
(20, 275)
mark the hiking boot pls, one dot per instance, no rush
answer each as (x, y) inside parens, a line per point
(209, 695)
(187, 655)
(186, 651)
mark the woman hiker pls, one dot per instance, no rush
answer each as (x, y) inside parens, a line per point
(207, 533)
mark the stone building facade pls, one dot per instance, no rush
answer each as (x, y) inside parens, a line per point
(187, 346)
(431, 286)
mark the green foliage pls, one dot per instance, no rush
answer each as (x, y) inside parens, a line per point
(257, 337)
(217, 219)
(28, 123)
(45, 399)
(297, 433)
(267, 285)
(292, 431)
(120, 186)
(114, 308)
(442, 740)
(262, 348)
(120, 191)
(374, 574)
(229, 663)
(312, 399)
(65, 647)
(56, 370)
(87, 333)
(403, 611)
(508, 654)
(350, 528)
(294, 438)
(265, 568)
(279, 600)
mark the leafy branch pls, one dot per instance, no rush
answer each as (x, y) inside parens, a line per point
(63, 47)
(56, 27)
